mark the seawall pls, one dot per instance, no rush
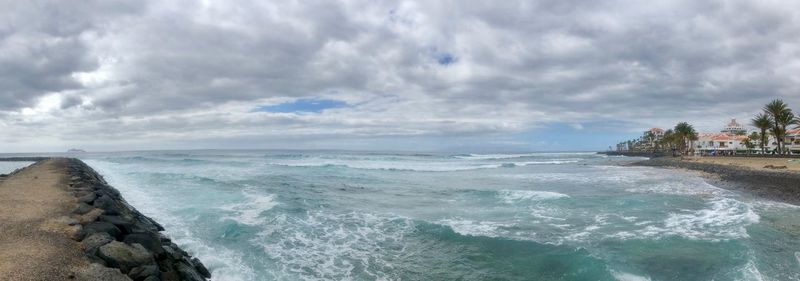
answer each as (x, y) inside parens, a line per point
(103, 236)
(116, 235)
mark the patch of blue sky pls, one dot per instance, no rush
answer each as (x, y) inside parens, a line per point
(312, 105)
(446, 59)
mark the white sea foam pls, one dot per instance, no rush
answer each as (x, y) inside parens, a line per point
(330, 246)
(249, 212)
(624, 276)
(751, 272)
(226, 264)
(725, 219)
(512, 196)
(695, 187)
(397, 166)
(475, 228)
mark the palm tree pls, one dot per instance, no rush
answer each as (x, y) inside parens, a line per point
(668, 140)
(785, 119)
(650, 139)
(763, 122)
(749, 142)
(685, 134)
(778, 109)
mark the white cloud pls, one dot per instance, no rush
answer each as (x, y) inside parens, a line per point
(134, 74)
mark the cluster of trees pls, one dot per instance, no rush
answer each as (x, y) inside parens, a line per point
(774, 120)
(680, 138)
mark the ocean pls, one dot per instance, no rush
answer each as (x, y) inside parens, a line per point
(329, 215)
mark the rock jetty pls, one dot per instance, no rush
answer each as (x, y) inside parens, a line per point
(121, 242)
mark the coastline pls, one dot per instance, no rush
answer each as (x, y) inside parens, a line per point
(781, 185)
(82, 229)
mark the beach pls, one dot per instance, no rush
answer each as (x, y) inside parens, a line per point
(771, 178)
(59, 220)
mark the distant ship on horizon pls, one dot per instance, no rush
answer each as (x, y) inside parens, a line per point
(76, 150)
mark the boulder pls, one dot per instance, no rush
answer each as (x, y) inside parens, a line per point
(101, 226)
(92, 242)
(143, 272)
(110, 206)
(178, 249)
(200, 268)
(169, 251)
(188, 273)
(148, 240)
(124, 224)
(88, 198)
(124, 256)
(164, 238)
(91, 216)
(97, 272)
(143, 227)
(82, 208)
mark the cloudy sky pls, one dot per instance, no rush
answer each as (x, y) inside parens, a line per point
(384, 75)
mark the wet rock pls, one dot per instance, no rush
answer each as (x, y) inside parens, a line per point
(148, 241)
(107, 204)
(178, 249)
(164, 238)
(152, 278)
(94, 241)
(200, 268)
(91, 216)
(124, 224)
(170, 252)
(101, 226)
(124, 256)
(139, 227)
(116, 235)
(188, 272)
(88, 198)
(143, 272)
(82, 208)
(97, 272)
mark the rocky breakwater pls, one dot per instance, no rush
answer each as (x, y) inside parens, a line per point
(115, 235)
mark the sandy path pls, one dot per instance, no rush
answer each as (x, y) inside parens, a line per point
(34, 230)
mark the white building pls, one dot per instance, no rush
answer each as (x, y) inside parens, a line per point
(792, 140)
(734, 128)
(729, 140)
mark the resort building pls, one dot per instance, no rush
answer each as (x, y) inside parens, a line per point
(728, 141)
(651, 137)
(734, 128)
(658, 133)
(792, 140)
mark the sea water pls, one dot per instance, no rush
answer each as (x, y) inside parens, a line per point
(267, 215)
(7, 167)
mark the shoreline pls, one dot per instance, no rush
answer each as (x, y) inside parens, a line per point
(779, 184)
(89, 221)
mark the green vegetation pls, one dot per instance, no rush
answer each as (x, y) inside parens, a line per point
(774, 121)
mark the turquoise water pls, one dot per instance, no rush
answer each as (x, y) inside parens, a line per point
(7, 167)
(261, 215)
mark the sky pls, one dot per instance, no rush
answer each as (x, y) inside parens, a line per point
(544, 75)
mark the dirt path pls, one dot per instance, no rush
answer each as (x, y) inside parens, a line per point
(35, 234)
